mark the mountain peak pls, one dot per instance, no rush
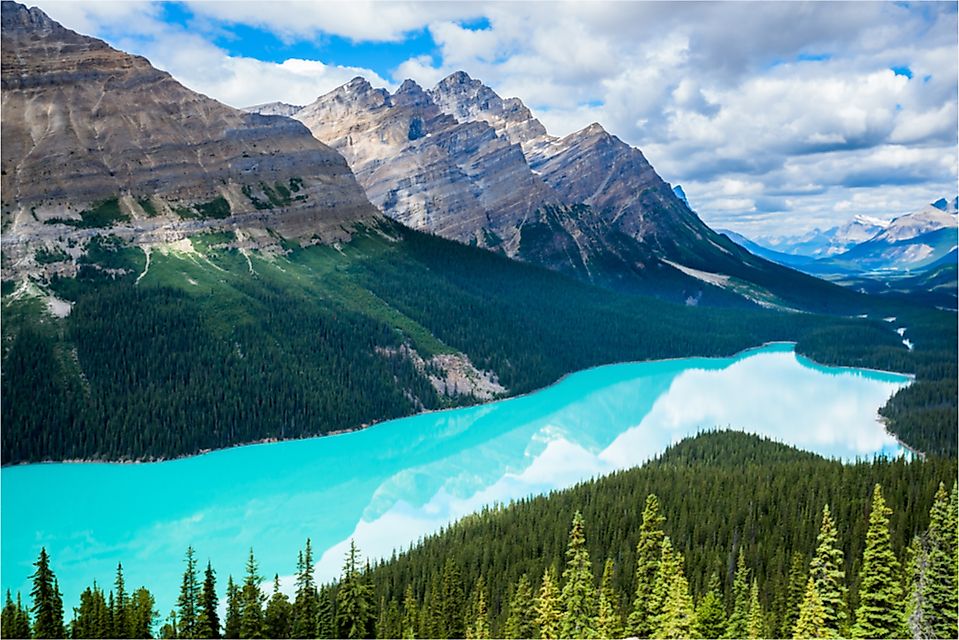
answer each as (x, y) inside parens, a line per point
(359, 84)
(456, 78)
(16, 16)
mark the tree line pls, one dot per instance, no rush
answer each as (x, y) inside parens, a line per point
(911, 596)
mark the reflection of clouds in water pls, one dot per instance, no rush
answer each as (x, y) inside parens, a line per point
(770, 396)
(767, 394)
(560, 463)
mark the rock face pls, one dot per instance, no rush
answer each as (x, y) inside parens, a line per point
(426, 169)
(274, 109)
(85, 124)
(460, 161)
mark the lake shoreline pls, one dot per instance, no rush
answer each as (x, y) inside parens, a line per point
(363, 427)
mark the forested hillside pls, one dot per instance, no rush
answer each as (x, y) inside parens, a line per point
(724, 535)
(207, 344)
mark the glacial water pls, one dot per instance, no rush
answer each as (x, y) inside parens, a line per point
(389, 485)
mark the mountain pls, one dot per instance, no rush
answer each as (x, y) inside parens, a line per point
(97, 138)
(820, 244)
(912, 241)
(462, 162)
(786, 259)
(274, 109)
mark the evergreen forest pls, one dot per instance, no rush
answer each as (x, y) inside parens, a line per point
(725, 535)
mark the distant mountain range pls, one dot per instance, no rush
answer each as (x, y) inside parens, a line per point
(459, 161)
(915, 253)
(912, 241)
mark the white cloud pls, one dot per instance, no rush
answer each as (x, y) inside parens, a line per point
(797, 100)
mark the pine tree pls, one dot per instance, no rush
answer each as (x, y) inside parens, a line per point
(648, 553)
(938, 597)
(305, 601)
(738, 624)
(479, 626)
(452, 602)
(21, 628)
(277, 617)
(609, 622)
(234, 609)
(109, 626)
(548, 612)
(755, 623)
(793, 597)
(811, 621)
(410, 613)
(325, 618)
(354, 605)
(711, 613)
(675, 617)
(142, 613)
(880, 612)
(251, 601)
(187, 601)
(121, 624)
(207, 617)
(103, 614)
(8, 617)
(521, 618)
(827, 571)
(579, 593)
(170, 630)
(669, 565)
(47, 604)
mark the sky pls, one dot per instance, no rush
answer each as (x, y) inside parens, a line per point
(775, 118)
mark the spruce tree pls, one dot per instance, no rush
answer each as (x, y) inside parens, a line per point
(121, 624)
(208, 617)
(47, 604)
(938, 597)
(880, 612)
(479, 626)
(143, 614)
(548, 612)
(305, 600)
(828, 572)
(648, 552)
(711, 613)
(21, 628)
(170, 630)
(277, 618)
(251, 601)
(521, 617)
(579, 593)
(609, 622)
(187, 600)
(793, 597)
(676, 617)
(234, 609)
(755, 623)
(410, 613)
(669, 566)
(452, 602)
(325, 617)
(8, 617)
(811, 619)
(354, 599)
(738, 624)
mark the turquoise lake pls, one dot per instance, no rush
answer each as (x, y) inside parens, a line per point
(390, 484)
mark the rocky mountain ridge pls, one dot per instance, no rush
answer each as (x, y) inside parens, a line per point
(459, 161)
(99, 141)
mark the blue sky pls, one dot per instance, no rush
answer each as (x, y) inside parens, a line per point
(775, 117)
